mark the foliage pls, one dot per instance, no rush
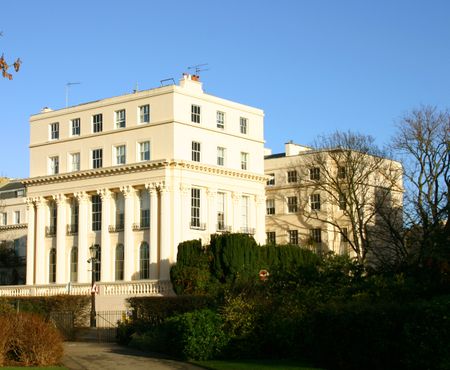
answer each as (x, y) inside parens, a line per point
(28, 340)
(278, 364)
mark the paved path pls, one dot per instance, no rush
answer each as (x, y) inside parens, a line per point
(79, 355)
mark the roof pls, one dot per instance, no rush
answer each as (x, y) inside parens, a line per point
(276, 155)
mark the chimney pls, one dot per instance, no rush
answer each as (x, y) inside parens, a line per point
(192, 83)
(294, 149)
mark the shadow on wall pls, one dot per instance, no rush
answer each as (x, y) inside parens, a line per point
(153, 271)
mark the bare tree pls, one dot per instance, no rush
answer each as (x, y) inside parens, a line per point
(423, 144)
(349, 185)
(4, 66)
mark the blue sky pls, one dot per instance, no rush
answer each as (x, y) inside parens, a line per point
(314, 66)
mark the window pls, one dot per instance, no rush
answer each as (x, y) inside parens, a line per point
(196, 151)
(119, 262)
(342, 172)
(243, 125)
(52, 266)
(221, 211)
(54, 165)
(97, 123)
(220, 119)
(293, 237)
(271, 181)
(344, 235)
(120, 154)
(144, 261)
(144, 151)
(75, 162)
(195, 113)
(244, 161)
(97, 158)
(292, 176)
(74, 265)
(292, 204)
(271, 237)
(98, 263)
(17, 217)
(245, 213)
(270, 206)
(145, 211)
(315, 201)
(314, 173)
(316, 235)
(73, 226)
(96, 213)
(195, 208)
(220, 156)
(119, 118)
(20, 193)
(4, 218)
(54, 131)
(75, 123)
(144, 114)
(145, 217)
(342, 202)
(53, 217)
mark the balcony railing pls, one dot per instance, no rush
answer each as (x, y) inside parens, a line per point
(222, 228)
(72, 229)
(198, 226)
(137, 227)
(248, 230)
(50, 231)
(115, 228)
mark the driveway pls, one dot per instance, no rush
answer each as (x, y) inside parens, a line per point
(80, 355)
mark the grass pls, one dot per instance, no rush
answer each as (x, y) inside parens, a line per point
(35, 367)
(255, 365)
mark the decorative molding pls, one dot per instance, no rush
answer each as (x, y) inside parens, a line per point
(13, 227)
(128, 191)
(104, 193)
(60, 199)
(82, 197)
(185, 189)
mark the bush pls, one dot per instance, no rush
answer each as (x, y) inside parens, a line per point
(26, 339)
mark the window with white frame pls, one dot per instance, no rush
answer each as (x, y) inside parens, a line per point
(196, 151)
(54, 131)
(75, 127)
(144, 200)
(245, 203)
(97, 158)
(119, 118)
(75, 162)
(144, 113)
(120, 154)
(119, 265)
(314, 173)
(244, 161)
(221, 211)
(316, 235)
(342, 172)
(293, 237)
(314, 200)
(17, 217)
(52, 266)
(220, 119)
(195, 208)
(74, 265)
(144, 151)
(3, 219)
(195, 113)
(97, 123)
(243, 125)
(292, 176)
(271, 237)
(96, 213)
(53, 163)
(270, 206)
(220, 156)
(292, 204)
(271, 181)
(144, 261)
(342, 202)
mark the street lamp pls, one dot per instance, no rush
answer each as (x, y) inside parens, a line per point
(93, 249)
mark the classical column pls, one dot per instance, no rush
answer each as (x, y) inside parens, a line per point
(31, 214)
(260, 224)
(236, 212)
(153, 195)
(41, 263)
(165, 233)
(212, 210)
(107, 253)
(129, 247)
(83, 253)
(60, 238)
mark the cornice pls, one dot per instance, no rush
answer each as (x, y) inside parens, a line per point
(13, 227)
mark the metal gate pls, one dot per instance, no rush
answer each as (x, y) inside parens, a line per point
(107, 323)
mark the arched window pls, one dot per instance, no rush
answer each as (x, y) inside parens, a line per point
(52, 266)
(74, 265)
(144, 259)
(119, 261)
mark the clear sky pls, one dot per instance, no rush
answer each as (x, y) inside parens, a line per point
(313, 66)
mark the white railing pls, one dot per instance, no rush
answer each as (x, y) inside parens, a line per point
(128, 288)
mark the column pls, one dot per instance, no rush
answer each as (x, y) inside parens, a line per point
(260, 233)
(129, 247)
(153, 195)
(83, 253)
(60, 238)
(107, 253)
(212, 210)
(31, 214)
(165, 233)
(41, 263)
(236, 212)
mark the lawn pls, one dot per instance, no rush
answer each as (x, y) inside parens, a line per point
(255, 365)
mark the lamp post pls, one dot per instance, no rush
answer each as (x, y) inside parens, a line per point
(93, 249)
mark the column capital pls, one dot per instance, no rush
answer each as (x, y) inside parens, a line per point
(151, 187)
(60, 199)
(211, 192)
(128, 191)
(104, 193)
(185, 188)
(82, 197)
(163, 187)
(236, 196)
(40, 202)
(29, 201)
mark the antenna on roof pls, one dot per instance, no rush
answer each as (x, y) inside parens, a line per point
(68, 84)
(136, 88)
(167, 82)
(198, 68)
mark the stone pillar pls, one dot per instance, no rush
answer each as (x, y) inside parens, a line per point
(260, 224)
(165, 233)
(236, 212)
(41, 262)
(61, 238)
(83, 252)
(212, 210)
(31, 214)
(107, 253)
(153, 239)
(129, 247)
